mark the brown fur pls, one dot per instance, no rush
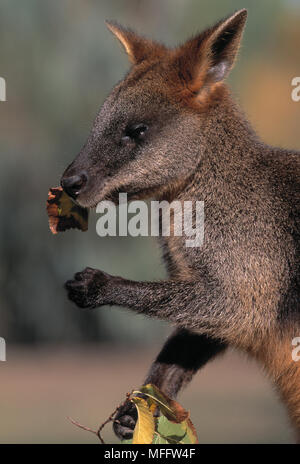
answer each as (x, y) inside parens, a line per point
(275, 356)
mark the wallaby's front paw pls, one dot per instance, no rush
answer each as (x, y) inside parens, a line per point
(125, 421)
(89, 288)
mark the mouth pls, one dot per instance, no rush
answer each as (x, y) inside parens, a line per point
(86, 202)
(114, 195)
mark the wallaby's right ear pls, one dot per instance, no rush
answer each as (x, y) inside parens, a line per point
(137, 48)
(208, 57)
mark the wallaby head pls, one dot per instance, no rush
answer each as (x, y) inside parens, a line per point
(143, 139)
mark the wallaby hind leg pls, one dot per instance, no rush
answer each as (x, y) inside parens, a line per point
(182, 355)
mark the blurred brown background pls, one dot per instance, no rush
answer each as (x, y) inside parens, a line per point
(59, 62)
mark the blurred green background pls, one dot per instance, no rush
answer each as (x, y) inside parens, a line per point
(59, 62)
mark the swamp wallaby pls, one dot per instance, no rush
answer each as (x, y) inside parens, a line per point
(171, 130)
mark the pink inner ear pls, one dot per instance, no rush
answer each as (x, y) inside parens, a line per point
(218, 72)
(208, 57)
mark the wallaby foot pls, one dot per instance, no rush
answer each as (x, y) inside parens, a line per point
(125, 421)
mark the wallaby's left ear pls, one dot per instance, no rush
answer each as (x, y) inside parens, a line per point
(224, 44)
(209, 57)
(137, 48)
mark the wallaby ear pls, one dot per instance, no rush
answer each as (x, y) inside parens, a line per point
(208, 57)
(137, 48)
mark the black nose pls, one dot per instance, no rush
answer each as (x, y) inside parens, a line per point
(73, 184)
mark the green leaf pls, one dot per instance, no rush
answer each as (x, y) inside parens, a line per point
(159, 440)
(170, 431)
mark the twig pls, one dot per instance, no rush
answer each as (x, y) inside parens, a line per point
(74, 422)
(110, 419)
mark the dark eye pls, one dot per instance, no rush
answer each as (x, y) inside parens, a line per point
(136, 133)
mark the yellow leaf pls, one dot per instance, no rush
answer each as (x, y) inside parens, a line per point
(144, 429)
